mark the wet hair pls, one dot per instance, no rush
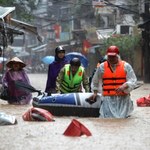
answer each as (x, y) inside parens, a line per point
(75, 62)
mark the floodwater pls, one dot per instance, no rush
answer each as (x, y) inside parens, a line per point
(107, 134)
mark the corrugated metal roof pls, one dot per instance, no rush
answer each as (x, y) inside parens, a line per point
(4, 11)
(39, 48)
(25, 26)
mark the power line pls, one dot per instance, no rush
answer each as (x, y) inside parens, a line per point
(119, 6)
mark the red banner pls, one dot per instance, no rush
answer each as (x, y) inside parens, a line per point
(86, 46)
(57, 29)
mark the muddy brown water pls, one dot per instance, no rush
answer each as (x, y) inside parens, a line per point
(107, 134)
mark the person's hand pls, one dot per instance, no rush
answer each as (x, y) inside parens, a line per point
(49, 94)
(91, 99)
(121, 88)
(94, 96)
(58, 92)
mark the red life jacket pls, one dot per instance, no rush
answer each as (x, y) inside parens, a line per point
(112, 80)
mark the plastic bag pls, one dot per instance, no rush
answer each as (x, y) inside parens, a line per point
(6, 119)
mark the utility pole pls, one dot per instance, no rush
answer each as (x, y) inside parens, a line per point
(146, 41)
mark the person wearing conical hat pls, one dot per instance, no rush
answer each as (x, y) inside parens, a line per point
(16, 72)
(14, 60)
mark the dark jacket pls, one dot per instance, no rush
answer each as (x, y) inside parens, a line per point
(53, 71)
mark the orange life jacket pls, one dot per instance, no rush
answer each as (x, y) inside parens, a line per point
(112, 80)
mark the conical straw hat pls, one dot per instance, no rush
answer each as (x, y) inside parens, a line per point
(15, 59)
(76, 129)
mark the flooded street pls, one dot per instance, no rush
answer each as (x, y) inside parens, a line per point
(107, 134)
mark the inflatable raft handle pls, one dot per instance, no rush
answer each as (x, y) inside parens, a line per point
(54, 100)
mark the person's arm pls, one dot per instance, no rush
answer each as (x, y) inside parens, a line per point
(5, 79)
(96, 79)
(59, 79)
(131, 77)
(25, 77)
(131, 82)
(47, 88)
(85, 82)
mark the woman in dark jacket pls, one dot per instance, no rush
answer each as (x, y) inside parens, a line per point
(54, 68)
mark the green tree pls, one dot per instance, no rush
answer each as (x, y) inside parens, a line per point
(127, 45)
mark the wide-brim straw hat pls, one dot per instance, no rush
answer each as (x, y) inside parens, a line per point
(15, 60)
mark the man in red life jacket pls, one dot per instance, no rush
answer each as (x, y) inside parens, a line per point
(117, 80)
(71, 78)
